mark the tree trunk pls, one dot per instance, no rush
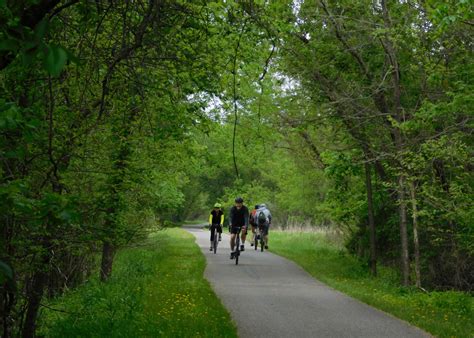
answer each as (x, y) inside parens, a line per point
(415, 235)
(108, 254)
(440, 171)
(7, 289)
(370, 210)
(35, 294)
(405, 264)
(7, 301)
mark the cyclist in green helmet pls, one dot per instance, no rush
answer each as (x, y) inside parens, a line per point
(216, 220)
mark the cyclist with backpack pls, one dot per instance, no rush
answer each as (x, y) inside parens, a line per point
(238, 220)
(253, 224)
(216, 220)
(263, 219)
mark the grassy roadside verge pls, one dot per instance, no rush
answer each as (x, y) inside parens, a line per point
(157, 290)
(443, 314)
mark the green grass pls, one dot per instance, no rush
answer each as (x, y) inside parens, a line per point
(443, 314)
(157, 290)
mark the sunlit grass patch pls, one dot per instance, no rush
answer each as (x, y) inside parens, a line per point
(156, 290)
(443, 314)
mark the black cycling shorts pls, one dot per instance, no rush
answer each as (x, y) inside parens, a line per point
(235, 229)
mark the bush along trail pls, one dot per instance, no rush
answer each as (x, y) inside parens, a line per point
(157, 290)
(443, 314)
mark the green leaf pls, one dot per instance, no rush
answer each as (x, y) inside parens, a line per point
(6, 272)
(27, 58)
(55, 60)
(8, 45)
(73, 58)
(29, 45)
(41, 29)
(65, 215)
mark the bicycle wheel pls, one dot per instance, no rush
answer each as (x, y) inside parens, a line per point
(237, 249)
(215, 242)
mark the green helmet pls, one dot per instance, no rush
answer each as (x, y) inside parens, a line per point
(217, 205)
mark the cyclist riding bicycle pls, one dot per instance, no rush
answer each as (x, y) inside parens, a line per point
(238, 220)
(216, 220)
(263, 219)
(253, 224)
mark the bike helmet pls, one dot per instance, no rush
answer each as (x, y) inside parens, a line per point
(217, 205)
(257, 206)
(263, 205)
(239, 200)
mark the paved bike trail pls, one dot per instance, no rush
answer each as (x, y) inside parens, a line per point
(270, 296)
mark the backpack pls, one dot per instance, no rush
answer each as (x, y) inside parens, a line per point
(252, 218)
(262, 218)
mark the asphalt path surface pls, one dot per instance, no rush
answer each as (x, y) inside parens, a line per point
(270, 296)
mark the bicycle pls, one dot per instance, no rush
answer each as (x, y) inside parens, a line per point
(215, 242)
(259, 237)
(236, 253)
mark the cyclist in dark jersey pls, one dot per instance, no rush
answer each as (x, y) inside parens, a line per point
(238, 220)
(216, 220)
